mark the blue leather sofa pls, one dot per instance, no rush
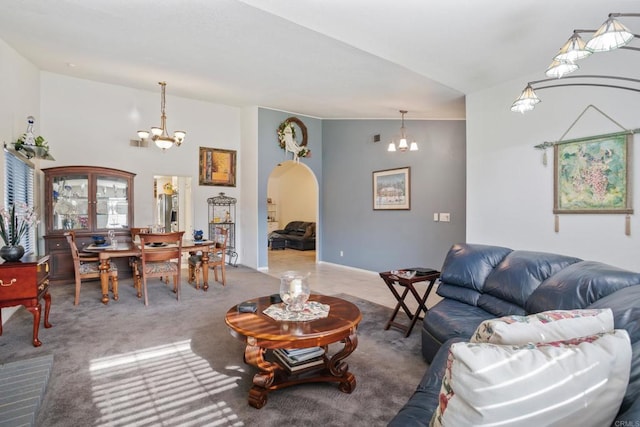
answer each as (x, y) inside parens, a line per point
(480, 282)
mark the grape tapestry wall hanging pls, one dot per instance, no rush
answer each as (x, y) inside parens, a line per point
(592, 175)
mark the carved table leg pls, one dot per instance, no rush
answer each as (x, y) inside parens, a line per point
(47, 306)
(104, 280)
(339, 369)
(114, 285)
(205, 270)
(254, 355)
(35, 310)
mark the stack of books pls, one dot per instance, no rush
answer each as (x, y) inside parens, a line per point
(300, 358)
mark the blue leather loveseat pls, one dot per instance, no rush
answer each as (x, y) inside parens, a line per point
(480, 282)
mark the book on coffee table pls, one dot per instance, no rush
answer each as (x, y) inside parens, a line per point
(297, 366)
(302, 354)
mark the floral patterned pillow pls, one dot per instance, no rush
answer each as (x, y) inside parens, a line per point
(574, 382)
(548, 326)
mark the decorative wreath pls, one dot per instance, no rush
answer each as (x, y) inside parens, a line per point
(304, 152)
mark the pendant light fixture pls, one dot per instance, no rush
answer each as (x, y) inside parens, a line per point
(402, 144)
(159, 135)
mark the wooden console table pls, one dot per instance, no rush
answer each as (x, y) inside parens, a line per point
(24, 283)
(391, 280)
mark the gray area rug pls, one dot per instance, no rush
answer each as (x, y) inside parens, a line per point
(22, 387)
(176, 364)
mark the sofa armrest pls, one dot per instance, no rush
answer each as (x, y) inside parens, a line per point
(418, 410)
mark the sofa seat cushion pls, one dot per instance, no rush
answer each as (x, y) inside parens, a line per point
(548, 326)
(574, 382)
(458, 293)
(450, 318)
(579, 285)
(520, 273)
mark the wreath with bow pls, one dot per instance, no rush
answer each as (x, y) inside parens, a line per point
(289, 123)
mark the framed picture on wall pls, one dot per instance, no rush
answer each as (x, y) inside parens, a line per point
(392, 189)
(217, 167)
(591, 175)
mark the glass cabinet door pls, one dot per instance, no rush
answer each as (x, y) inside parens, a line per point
(71, 202)
(112, 203)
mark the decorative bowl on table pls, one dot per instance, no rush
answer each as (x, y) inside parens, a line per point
(98, 240)
(198, 235)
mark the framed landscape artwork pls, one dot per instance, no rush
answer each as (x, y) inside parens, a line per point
(592, 175)
(392, 189)
(217, 167)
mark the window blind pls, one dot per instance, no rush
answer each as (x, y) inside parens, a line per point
(19, 177)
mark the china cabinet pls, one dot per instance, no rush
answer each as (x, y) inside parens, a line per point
(89, 200)
(222, 213)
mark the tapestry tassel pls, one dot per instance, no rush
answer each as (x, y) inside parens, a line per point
(627, 225)
(557, 224)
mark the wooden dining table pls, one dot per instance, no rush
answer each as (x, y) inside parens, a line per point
(132, 249)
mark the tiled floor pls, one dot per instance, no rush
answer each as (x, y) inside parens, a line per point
(334, 279)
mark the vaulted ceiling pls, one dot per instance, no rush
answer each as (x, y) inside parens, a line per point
(328, 59)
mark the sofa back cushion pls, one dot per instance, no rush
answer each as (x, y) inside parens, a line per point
(579, 285)
(511, 282)
(468, 265)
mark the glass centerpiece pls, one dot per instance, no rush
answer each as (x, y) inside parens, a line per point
(294, 290)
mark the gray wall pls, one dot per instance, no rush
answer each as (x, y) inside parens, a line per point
(270, 154)
(384, 240)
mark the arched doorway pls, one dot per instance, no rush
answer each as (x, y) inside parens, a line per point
(292, 195)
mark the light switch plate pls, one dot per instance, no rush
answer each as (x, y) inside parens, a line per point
(445, 217)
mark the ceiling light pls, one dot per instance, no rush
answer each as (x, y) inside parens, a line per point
(528, 98)
(402, 144)
(558, 69)
(526, 101)
(574, 49)
(611, 35)
(159, 135)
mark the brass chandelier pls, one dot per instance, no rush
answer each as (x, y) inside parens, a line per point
(159, 135)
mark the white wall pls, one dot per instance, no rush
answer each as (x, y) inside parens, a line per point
(248, 213)
(510, 192)
(90, 123)
(20, 89)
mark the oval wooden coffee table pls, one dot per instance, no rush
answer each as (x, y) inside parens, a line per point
(262, 333)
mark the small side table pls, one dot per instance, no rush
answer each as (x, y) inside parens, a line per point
(391, 280)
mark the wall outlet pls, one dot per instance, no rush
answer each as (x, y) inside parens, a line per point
(445, 217)
(341, 253)
(435, 216)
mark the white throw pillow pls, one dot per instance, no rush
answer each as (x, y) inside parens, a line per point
(577, 382)
(548, 326)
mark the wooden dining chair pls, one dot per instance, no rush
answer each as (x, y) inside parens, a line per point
(217, 259)
(160, 257)
(87, 266)
(134, 261)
